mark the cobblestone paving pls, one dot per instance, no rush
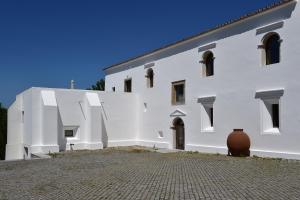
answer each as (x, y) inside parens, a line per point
(133, 174)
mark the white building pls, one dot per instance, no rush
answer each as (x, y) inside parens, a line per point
(188, 95)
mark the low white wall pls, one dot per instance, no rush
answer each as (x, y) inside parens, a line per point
(15, 147)
(99, 119)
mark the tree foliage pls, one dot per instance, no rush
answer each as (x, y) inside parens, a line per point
(100, 85)
(3, 131)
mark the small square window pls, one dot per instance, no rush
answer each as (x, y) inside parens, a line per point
(178, 93)
(69, 133)
(160, 134)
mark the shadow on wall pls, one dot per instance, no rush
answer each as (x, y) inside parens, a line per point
(3, 131)
(104, 134)
(62, 141)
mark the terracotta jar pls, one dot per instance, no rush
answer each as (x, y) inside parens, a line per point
(238, 143)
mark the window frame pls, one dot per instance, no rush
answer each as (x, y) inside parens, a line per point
(267, 116)
(266, 99)
(68, 136)
(173, 92)
(265, 57)
(207, 113)
(76, 132)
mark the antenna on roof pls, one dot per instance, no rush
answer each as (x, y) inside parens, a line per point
(72, 84)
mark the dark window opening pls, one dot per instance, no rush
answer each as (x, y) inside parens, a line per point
(272, 49)
(69, 133)
(211, 116)
(127, 85)
(209, 63)
(275, 115)
(113, 89)
(150, 77)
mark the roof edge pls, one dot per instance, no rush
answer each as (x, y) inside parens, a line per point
(209, 31)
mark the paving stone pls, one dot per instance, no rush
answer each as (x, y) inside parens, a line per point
(134, 173)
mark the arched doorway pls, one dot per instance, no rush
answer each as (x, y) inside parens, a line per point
(179, 133)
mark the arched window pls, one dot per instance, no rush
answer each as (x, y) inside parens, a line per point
(271, 45)
(208, 61)
(150, 76)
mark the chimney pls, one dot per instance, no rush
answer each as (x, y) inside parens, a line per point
(72, 84)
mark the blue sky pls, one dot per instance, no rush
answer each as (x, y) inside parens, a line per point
(46, 43)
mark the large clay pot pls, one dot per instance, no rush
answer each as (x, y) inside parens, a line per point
(238, 143)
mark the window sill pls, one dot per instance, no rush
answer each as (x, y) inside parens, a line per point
(267, 65)
(208, 77)
(208, 130)
(272, 131)
(178, 104)
(72, 138)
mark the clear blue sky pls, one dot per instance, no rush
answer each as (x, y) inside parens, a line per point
(46, 43)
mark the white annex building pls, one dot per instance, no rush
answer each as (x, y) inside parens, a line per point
(188, 95)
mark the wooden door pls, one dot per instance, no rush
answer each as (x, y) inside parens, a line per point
(180, 136)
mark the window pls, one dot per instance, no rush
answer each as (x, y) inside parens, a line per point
(275, 115)
(178, 92)
(127, 85)
(208, 63)
(113, 89)
(271, 46)
(270, 110)
(160, 134)
(207, 113)
(150, 77)
(23, 113)
(207, 117)
(69, 133)
(211, 116)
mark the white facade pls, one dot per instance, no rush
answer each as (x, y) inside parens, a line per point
(238, 90)
(241, 93)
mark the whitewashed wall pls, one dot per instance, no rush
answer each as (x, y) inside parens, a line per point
(239, 74)
(100, 118)
(144, 117)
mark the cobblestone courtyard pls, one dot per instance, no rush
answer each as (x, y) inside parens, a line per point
(131, 173)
